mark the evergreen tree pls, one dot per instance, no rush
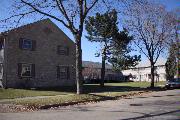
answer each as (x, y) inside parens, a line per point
(103, 28)
(171, 63)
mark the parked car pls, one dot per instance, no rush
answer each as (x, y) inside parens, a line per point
(174, 83)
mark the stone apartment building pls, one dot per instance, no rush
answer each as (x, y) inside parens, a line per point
(37, 55)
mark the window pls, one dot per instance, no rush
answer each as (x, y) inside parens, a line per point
(26, 70)
(63, 72)
(1, 68)
(61, 50)
(1, 43)
(149, 76)
(27, 44)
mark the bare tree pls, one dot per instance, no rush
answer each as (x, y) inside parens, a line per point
(152, 27)
(70, 13)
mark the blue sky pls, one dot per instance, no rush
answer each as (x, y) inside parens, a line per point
(88, 48)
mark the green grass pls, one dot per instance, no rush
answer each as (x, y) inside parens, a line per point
(20, 93)
(88, 88)
(92, 92)
(118, 87)
(136, 84)
(59, 100)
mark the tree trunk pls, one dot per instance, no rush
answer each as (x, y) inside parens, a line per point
(102, 71)
(78, 64)
(103, 68)
(152, 75)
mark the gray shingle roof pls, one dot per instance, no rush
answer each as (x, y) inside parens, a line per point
(95, 64)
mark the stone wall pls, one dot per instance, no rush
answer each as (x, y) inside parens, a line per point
(47, 36)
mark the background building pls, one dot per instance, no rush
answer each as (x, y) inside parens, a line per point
(143, 73)
(92, 71)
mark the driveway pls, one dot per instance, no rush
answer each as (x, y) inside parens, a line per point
(164, 105)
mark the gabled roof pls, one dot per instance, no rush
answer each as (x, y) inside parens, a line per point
(160, 62)
(95, 64)
(26, 25)
(44, 21)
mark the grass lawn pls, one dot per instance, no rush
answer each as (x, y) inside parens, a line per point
(136, 84)
(119, 87)
(56, 100)
(92, 92)
(20, 93)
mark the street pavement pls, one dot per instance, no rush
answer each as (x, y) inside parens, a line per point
(164, 105)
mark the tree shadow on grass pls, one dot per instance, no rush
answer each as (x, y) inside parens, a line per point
(108, 88)
(95, 88)
(63, 89)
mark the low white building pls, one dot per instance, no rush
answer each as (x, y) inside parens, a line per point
(143, 73)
